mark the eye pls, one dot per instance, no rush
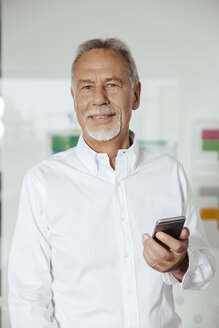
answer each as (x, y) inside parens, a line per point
(86, 87)
(111, 85)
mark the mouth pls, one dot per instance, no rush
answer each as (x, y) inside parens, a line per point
(101, 117)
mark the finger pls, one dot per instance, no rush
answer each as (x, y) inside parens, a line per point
(151, 244)
(164, 259)
(184, 233)
(175, 245)
(153, 252)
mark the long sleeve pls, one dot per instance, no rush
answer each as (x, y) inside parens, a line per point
(201, 258)
(29, 273)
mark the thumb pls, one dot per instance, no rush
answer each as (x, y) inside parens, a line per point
(145, 237)
(184, 234)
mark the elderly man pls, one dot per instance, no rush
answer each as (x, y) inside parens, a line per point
(86, 216)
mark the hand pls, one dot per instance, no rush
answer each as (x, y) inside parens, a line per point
(174, 260)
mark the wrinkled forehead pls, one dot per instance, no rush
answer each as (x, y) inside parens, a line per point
(101, 62)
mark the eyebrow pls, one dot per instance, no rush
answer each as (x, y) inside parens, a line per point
(114, 78)
(108, 79)
(81, 81)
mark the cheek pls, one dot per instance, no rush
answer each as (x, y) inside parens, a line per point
(126, 113)
(128, 100)
(125, 117)
(80, 115)
(81, 105)
(121, 101)
(127, 105)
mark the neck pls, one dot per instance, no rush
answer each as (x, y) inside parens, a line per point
(110, 147)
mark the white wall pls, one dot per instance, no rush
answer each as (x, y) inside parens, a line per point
(170, 39)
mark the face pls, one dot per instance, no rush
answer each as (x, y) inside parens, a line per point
(103, 96)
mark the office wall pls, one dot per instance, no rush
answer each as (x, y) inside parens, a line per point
(171, 40)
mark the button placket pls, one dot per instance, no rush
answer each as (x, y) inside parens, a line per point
(128, 261)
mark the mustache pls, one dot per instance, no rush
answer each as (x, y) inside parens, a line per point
(103, 110)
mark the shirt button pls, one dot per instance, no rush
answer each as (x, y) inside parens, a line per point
(129, 292)
(122, 219)
(126, 255)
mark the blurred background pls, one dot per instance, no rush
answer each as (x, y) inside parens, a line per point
(176, 47)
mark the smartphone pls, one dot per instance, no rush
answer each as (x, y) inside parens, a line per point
(172, 226)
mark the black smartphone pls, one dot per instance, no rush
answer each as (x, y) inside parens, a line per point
(172, 226)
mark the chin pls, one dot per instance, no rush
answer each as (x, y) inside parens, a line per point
(103, 134)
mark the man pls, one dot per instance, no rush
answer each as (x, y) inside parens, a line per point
(86, 216)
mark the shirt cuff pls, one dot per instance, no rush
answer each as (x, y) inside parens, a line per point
(169, 278)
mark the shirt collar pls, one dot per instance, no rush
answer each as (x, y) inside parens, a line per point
(90, 158)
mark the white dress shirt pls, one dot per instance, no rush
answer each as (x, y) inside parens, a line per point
(78, 241)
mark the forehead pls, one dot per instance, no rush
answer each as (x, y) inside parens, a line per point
(101, 62)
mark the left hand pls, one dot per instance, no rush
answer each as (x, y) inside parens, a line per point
(174, 260)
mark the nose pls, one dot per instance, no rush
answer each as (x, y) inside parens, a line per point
(100, 97)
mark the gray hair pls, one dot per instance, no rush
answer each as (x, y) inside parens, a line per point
(112, 44)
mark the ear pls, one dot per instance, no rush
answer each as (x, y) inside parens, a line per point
(137, 93)
(72, 93)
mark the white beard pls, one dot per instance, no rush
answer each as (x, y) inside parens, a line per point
(103, 133)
